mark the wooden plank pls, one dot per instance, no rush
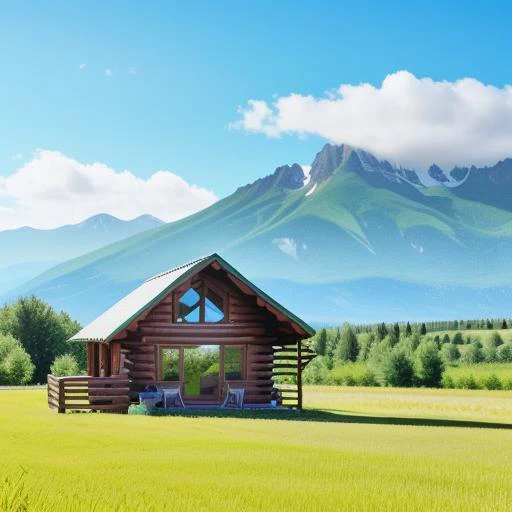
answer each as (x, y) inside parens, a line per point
(110, 391)
(196, 340)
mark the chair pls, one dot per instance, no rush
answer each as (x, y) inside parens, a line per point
(172, 397)
(234, 397)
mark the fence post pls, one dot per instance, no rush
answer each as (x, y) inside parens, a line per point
(62, 397)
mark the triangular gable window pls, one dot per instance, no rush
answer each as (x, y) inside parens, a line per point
(200, 304)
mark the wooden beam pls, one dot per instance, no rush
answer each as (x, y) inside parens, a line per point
(299, 374)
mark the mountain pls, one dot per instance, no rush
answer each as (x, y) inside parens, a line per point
(30, 251)
(358, 238)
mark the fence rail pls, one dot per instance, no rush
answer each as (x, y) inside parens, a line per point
(107, 394)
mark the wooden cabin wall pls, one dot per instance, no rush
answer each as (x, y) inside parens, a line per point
(246, 324)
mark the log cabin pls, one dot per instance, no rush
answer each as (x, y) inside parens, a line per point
(198, 326)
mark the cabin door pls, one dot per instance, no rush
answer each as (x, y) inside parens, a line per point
(201, 372)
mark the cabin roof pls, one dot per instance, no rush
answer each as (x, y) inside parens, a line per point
(154, 289)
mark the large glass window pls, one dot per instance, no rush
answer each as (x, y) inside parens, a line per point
(201, 370)
(200, 304)
(170, 364)
(232, 363)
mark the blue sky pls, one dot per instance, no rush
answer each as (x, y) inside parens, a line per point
(181, 70)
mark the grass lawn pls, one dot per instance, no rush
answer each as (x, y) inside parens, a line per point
(350, 457)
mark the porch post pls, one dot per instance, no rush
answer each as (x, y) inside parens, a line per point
(299, 374)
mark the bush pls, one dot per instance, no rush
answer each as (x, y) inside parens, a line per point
(492, 382)
(447, 382)
(16, 368)
(495, 339)
(397, 369)
(473, 354)
(64, 365)
(428, 365)
(449, 353)
(457, 338)
(467, 382)
(504, 353)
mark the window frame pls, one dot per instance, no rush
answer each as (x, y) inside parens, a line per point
(202, 288)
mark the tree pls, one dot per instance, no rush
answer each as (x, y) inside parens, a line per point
(382, 331)
(494, 340)
(458, 339)
(428, 365)
(504, 353)
(42, 332)
(64, 365)
(473, 354)
(320, 344)
(347, 348)
(489, 325)
(396, 330)
(423, 329)
(398, 369)
(504, 324)
(446, 338)
(449, 353)
(16, 368)
(408, 329)
(365, 341)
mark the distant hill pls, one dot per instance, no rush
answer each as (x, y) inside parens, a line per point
(26, 252)
(357, 239)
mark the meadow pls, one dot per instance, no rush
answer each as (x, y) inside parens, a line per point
(351, 449)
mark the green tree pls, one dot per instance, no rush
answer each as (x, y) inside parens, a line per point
(16, 368)
(365, 341)
(504, 324)
(449, 353)
(473, 354)
(423, 329)
(320, 344)
(458, 339)
(63, 365)
(446, 338)
(428, 365)
(347, 348)
(42, 332)
(504, 353)
(495, 340)
(408, 329)
(382, 331)
(398, 369)
(396, 330)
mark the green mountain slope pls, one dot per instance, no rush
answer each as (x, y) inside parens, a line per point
(356, 219)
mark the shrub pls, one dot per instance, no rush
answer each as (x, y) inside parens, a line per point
(428, 364)
(504, 353)
(473, 354)
(446, 339)
(447, 382)
(395, 369)
(16, 368)
(449, 353)
(493, 382)
(64, 365)
(467, 382)
(457, 339)
(494, 340)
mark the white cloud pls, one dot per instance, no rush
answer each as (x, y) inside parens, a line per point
(286, 245)
(53, 189)
(82, 66)
(410, 121)
(132, 70)
(108, 72)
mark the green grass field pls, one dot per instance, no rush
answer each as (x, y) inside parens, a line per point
(353, 449)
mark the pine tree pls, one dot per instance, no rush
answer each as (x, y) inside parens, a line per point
(423, 329)
(408, 329)
(347, 348)
(382, 331)
(396, 330)
(321, 343)
(504, 324)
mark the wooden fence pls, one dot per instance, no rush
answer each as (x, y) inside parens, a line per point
(107, 394)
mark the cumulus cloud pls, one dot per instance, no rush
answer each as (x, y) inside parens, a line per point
(408, 120)
(53, 189)
(286, 245)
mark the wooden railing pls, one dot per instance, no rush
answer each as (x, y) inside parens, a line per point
(107, 394)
